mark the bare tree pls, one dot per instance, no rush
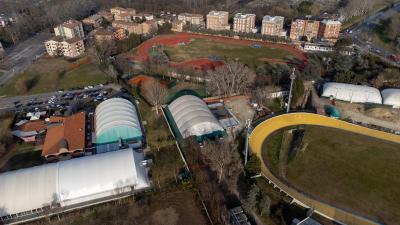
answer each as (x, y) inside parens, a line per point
(357, 8)
(263, 94)
(265, 205)
(156, 93)
(232, 78)
(103, 51)
(219, 156)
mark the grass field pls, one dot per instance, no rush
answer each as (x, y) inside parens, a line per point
(203, 48)
(50, 74)
(23, 156)
(348, 170)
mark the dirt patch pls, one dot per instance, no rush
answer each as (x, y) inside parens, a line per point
(392, 115)
(173, 207)
(269, 60)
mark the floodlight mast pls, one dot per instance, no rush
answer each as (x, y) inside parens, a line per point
(292, 77)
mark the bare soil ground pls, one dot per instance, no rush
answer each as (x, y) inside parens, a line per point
(174, 207)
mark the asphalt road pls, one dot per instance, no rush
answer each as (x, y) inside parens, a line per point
(368, 25)
(22, 55)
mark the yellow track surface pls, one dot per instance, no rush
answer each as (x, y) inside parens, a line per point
(266, 128)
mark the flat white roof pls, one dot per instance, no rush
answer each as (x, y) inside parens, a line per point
(273, 18)
(217, 13)
(243, 16)
(332, 22)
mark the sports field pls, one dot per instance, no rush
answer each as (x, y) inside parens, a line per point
(205, 48)
(203, 51)
(347, 170)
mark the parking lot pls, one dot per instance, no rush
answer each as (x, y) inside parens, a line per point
(60, 100)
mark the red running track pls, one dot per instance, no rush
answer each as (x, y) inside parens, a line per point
(142, 52)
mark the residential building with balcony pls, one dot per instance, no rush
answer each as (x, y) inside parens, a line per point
(329, 30)
(244, 23)
(273, 26)
(218, 20)
(93, 20)
(59, 46)
(70, 29)
(177, 25)
(304, 28)
(193, 19)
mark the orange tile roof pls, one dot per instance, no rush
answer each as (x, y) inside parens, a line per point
(37, 125)
(71, 129)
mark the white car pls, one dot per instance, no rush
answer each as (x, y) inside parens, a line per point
(90, 86)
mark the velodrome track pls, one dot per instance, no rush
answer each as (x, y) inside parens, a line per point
(267, 127)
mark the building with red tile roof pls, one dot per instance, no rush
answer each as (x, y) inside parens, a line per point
(66, 138)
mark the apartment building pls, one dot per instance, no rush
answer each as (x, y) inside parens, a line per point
(136, 28)
(108, 16)
(119, 33)
(128, 26)
(329, 30)
(218, 20)
(144, 16)
(304, 28)
(244, 23)
(177, 25)
(71, 48)
(70, 29)
(273, 26)
(194, 19)
(102, 35)
(120, 10)
(93, 20)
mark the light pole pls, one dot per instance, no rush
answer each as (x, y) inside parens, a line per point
(292, 77)
(246, 147)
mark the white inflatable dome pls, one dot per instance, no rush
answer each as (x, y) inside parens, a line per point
(352, 93)
(193, 117)
(391, 97)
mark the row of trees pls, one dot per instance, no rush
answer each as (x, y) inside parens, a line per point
(6, 138)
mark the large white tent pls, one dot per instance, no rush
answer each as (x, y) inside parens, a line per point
(71, 182)
(391, 97)
(193, 117)
(352, 93)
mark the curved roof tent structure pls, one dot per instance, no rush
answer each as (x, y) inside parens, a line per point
(391, 97)
(193, 117)
(116, 119)
(71, 182)
(352, 93)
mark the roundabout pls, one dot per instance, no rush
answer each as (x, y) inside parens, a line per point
(265, 129)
